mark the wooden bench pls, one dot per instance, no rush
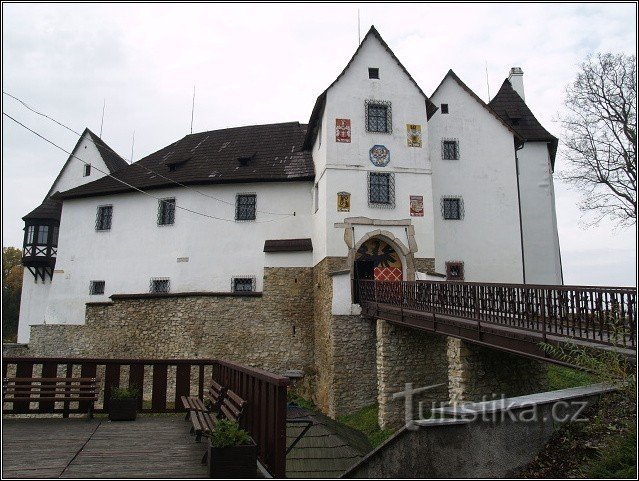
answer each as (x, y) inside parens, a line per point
(25, 390)
(213, 396)
(231, 407)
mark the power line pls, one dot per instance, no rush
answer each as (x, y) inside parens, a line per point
(120, 180)
(130, 161)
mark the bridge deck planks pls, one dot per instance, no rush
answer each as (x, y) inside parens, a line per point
(150, 447)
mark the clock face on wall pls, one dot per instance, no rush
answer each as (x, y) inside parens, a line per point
(379, 155)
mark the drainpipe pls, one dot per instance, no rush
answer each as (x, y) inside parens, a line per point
(521, 228)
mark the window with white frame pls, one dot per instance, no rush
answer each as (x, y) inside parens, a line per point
(450, 149)
(452, 208)
(166, 211)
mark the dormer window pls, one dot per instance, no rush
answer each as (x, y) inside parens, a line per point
(87, 170)
(373, 73)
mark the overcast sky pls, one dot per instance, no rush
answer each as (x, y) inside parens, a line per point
(254, 64)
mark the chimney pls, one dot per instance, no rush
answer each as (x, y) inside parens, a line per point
(516, 78)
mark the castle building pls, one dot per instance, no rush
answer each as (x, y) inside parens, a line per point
(246, 242)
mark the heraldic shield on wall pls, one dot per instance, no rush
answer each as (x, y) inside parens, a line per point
(379, 155)
(343, 202)
(343, 130)
(414, 133)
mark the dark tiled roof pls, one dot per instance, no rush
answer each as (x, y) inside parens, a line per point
(268, 153)
(512, 108)
(288, 245)
(316, 115)
(488, 107)
(327, 449)
(49, 209)
(112, 160)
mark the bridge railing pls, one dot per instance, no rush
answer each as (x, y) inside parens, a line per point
(604, 315)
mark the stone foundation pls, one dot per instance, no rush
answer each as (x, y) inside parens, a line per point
(479, 373)
(407, 355)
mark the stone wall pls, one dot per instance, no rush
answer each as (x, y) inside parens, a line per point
(425, 265)
(13, 349)
(479, 373)
(407, 355)
(273, 331)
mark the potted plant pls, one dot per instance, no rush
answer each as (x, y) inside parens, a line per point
(123, 404)
(232, 453)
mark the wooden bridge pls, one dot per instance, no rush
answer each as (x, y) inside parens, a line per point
(510, 317)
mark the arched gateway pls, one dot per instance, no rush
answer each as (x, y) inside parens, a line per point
(376, 259)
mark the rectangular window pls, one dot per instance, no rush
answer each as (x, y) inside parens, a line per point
(43, 234)
(373, 73)
(450, 150)
(243, 284)
(56, 234)
(454, 271)
(444, 108)
(316, 197)
(378, 116)
(160, 285)
(87, 170)
(381, 189)
(452, 208)
(96, 288)
(166, 211)
(103, 219)
(245, 206)
(30, 234)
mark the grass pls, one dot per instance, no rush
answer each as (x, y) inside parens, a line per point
(617, 460)
(560, 377)
(365, 421)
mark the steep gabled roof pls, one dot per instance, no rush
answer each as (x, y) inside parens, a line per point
(111, 159)
(318, 109)
(50, 209)
(258, 153)
(487, 107)
(513, 109)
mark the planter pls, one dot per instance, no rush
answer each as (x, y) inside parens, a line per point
(123, 409)
(232, 462)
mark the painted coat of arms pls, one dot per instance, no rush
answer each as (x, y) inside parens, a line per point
(343, 130)
(416, 206)
(343, 202)
(379, 155)
(414, 133)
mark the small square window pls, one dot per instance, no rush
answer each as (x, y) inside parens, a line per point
(103, 219)
(454, 271)
(444, 108)
(450, 150)
(245, 206)
(166, 211)
(381, 189)
(96, 288)
(452, 208)
(87, 170)
(378, 116)
(243, 284)
(160, 285)
(373, 73)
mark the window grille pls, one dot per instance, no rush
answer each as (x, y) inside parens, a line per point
(450, 150)
(381, 189)
(378, 116)
(444, 108)
(243, 284)
(373, 73)
(454, 271)
(43, 234)
(160, 285)
(166, 211)
(103, 219)
(87, 170)
(245, 206)
(452, 208)
(96, 288)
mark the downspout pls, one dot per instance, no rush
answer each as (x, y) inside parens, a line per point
(521, 228)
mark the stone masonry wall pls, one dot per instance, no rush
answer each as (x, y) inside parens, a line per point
(477, 373)
(407, 355)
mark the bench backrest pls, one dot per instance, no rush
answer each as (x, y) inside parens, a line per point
(83, 388)
(232, 406)
(215, 396)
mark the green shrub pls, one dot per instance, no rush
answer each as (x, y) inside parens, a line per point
(131, 392)
(227, 434)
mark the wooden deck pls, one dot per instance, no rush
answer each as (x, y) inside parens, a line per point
(150, 447)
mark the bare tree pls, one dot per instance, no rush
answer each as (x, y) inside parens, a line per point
(600, 132)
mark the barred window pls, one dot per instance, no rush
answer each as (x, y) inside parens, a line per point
(452, 208)
(87, 170)
(96, 288)
(378, 116)
(160, 285)
(454, 271)
(43, 234)
(166, 211)
(245, 206)
(381, 189)
(450, 150)
(243, 284)
(103, 219)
